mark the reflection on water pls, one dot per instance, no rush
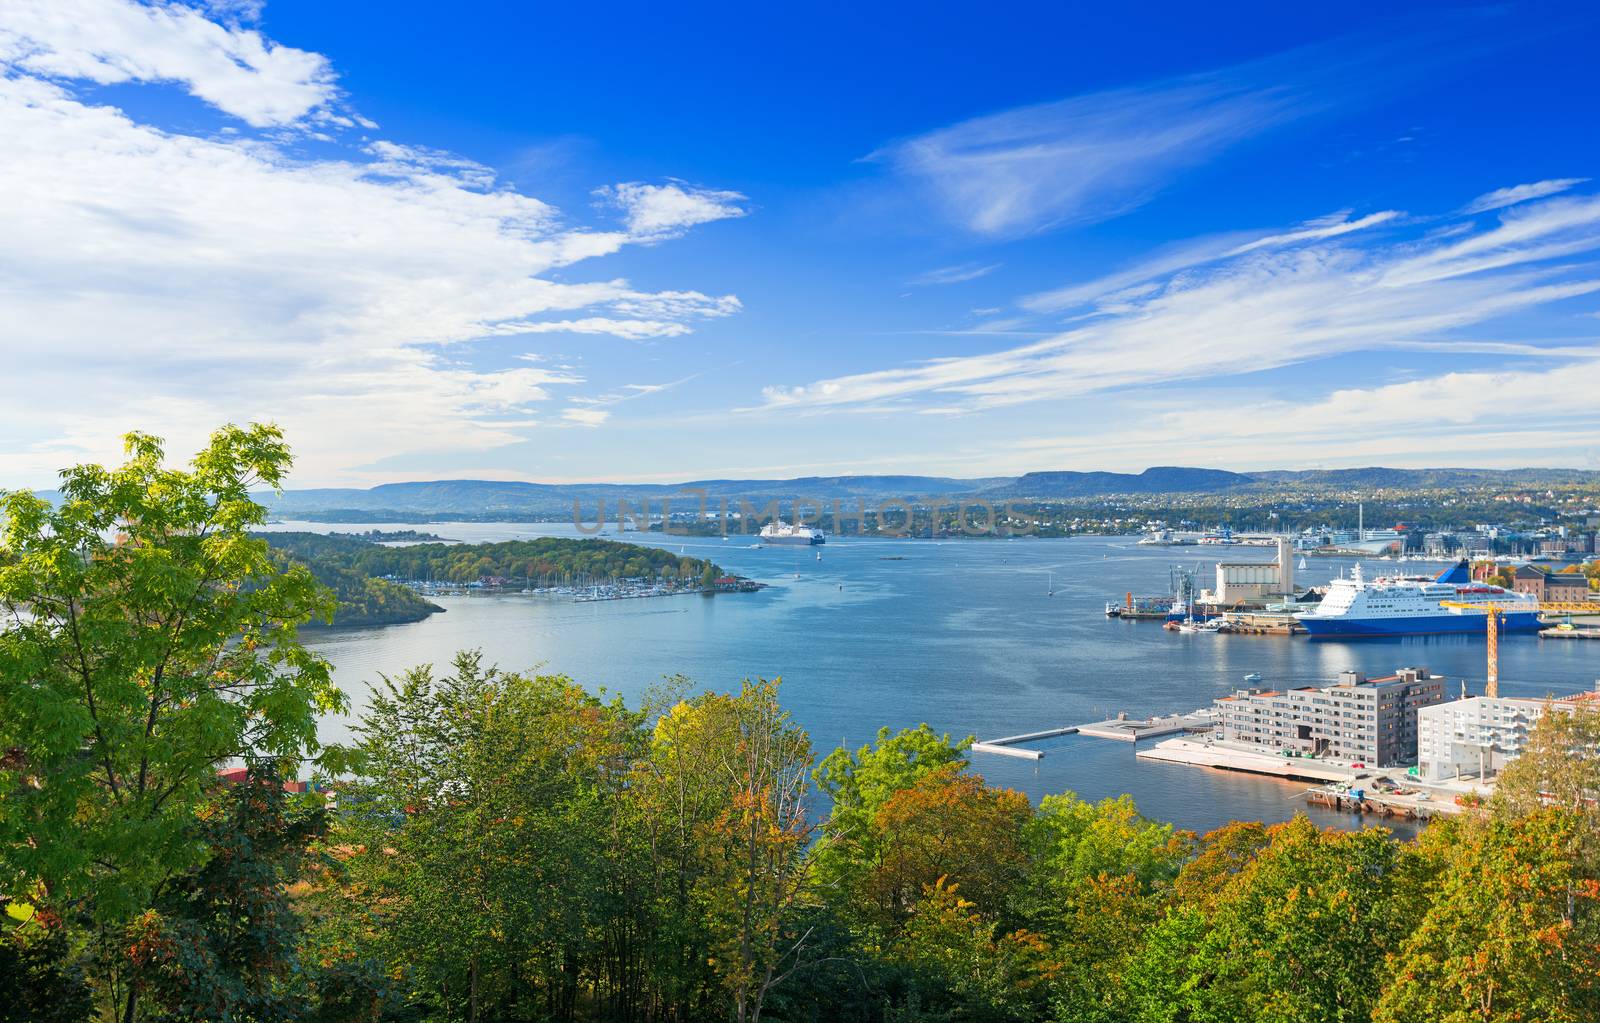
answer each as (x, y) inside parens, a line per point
(961, 634)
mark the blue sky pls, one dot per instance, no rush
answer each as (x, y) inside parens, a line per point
(559, 242)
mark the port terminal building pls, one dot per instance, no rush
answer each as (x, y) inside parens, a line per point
(1254, 582)
(1373, 721)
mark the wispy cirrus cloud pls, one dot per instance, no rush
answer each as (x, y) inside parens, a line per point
(1096, 155)
(174, 280)
(1226, 306)
(1140, 278)
(959, 274)
(1502, 197)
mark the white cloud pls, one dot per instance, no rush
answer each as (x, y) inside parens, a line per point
(236, 70)
(665, 211)
(1255, 309)
(633, 330)
(1502, 197)
(1328, 227)
(1544, 398)
(168, 281)
(585, 416)
(1139, 279)
(954, 274)
(1083, 159)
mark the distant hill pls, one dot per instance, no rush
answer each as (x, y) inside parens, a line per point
(491, 499)
(1161, 479)
(1423, 479)
(492, 496)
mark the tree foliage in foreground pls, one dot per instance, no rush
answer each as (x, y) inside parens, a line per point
(512, 847)
(148, 638)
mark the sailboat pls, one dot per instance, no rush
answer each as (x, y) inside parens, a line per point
(1050, 587)
(819, 555)
(1302, 564)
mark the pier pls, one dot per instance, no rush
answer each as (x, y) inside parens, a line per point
(1121, 728)
(1572, 632)
(1006, 746)
(1125, 729)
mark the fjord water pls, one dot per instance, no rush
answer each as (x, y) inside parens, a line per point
(961, 634)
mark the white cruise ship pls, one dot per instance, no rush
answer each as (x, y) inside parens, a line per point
(783, 532)
(1411, 606)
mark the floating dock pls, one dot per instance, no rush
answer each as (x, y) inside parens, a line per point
(1006, 747)
(1575, 632)
(1125, 729)
(1262, 623)
(1121, 728)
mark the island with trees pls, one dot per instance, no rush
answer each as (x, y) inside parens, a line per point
(542, 563)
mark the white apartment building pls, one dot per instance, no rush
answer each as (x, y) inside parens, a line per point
(1476, 737)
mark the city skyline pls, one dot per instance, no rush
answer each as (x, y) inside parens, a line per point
(521, 246)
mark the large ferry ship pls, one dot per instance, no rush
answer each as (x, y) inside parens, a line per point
(783, 532)
(1412, 606)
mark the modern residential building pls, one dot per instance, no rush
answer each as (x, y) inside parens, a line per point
(1478, 736)
(1372, 721)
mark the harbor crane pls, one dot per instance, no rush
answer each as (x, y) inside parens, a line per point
(1492, 614)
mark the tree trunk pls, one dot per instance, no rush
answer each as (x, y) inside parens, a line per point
(472, 998)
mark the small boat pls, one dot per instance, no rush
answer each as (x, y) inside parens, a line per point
(819, 555)
(1254, 676)
(1302, 564)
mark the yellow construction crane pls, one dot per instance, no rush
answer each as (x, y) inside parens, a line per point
(1492, 613)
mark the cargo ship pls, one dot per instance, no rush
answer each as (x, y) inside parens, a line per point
(784, 533)
(1413, 606)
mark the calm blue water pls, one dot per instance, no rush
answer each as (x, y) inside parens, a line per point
(960, 634)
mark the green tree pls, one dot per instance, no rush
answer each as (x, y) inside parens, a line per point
(39, 980)
(964, 967)
(1100, 875)
(741, 837)
(1299, 934)
(222, 942)
(479, 838)
(857, 785)
(148, 638)
(1559, 766)
(1510, 931)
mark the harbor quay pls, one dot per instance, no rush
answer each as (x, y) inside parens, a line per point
(1391, 746)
